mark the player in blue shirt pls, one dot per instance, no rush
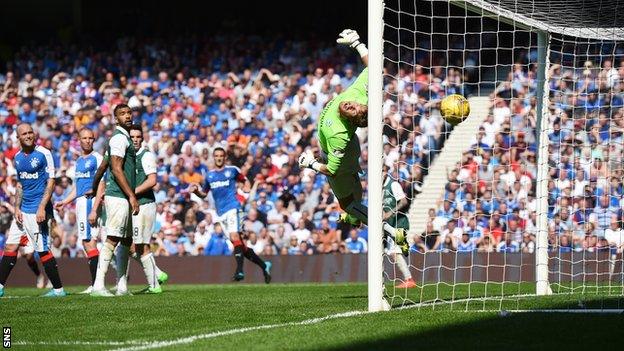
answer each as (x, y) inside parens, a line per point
(86, 166)
(221, 181)
(33, 209)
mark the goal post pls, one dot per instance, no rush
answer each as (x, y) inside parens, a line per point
(525, 198)
(375, 155)
(541, 251)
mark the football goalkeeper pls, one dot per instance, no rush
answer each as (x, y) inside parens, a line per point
(341, 148)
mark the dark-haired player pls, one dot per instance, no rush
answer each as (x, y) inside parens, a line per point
(221, 181)
(120, 201)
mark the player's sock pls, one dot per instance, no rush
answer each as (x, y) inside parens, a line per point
(238, 255)
(34, 267)
(137, 258)
(51, 269)
(389, 229)
(400, 261)
(93, 256)
(148, 263)
(104, 261)
(251, 255)
(358, 210)
(122, 267)
(6, 266)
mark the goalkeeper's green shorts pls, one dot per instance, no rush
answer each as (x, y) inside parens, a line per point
(346, 184)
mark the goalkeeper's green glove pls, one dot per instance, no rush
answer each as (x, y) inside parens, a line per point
(352, 38)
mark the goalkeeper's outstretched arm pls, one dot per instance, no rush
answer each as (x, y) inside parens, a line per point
(307, 160)
(352, 38)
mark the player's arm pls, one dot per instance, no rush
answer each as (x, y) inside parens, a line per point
(120, 177)
(352, 38)
(149, 166)
(336, 144)
(47, 192)
(99, 174)
(47, 195)
(69, 199)
(19, 218)
(196, 189)
(97, 202)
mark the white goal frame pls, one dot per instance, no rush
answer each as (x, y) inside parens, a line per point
(376, 300)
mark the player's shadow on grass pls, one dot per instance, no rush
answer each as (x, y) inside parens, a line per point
(455, 330)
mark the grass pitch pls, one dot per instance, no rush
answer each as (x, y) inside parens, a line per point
(295, 317)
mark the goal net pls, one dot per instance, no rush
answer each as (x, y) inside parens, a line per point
(524, 198)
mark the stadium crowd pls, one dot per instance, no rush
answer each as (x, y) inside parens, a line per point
(489, 203)
(258, 98)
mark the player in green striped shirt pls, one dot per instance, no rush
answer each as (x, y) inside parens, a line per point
(340, 146)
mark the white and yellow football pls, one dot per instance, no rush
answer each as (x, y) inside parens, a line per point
(454, 109)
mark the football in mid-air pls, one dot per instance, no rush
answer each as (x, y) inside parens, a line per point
(454, 108)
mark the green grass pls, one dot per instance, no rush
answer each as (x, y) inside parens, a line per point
(191, 310)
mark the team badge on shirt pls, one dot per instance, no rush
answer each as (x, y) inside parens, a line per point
(227, 174)
(34, 162)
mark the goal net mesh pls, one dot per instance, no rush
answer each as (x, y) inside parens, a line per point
(472, 190)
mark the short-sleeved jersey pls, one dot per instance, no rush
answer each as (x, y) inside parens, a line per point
(392, 194)
(334, 133)
(222, 184)
(145, 165)
(120, 145)
(33, 172)
(86, 167)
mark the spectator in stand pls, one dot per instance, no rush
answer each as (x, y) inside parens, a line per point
(355, 244)
(218, 244)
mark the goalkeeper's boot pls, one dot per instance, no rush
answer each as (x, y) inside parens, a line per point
(238, 276)
(349, 219)
(409, 283)
(267, 272)
(400, 238)
(163, 277)
(53, 293)
(1, 292)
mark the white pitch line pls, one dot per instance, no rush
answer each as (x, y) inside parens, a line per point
(190, 339)
(81, 343)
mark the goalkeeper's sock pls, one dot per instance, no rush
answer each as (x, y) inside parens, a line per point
(400, 261)
(32, 264)
(238, 255)
(389, 229)
(93, 256)
(6, 266)
(251, 255)
(51, 269)
(104, 261)
(122, 260)
(147, 261)
(358, 210)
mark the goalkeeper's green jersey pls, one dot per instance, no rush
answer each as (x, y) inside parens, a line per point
(335, 133)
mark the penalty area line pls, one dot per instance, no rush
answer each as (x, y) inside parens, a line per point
(193, 338)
